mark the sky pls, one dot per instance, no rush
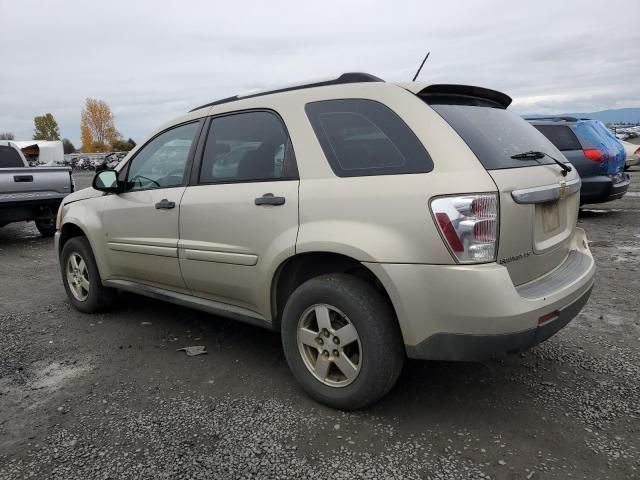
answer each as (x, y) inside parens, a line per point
(154, 60)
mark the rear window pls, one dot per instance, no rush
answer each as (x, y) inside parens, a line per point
(494, 135)
(10, 158)
(561, 136)
(364, 137)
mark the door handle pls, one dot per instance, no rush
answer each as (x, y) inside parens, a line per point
(269, 199)
(165, 204)
(23, 178)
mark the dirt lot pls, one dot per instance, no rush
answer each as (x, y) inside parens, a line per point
(108, 396)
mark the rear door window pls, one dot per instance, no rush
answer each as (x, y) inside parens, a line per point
(364, 137)
(494, 135)
(10, 158)
(247, 147)
(561, 136)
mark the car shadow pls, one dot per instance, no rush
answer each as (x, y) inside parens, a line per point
(596, 212)
(22, 233)
(430, 390)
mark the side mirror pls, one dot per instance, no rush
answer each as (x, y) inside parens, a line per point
(106, 181)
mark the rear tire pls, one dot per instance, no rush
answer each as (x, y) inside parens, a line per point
(81, 278)
(356, 358)
(46, 226)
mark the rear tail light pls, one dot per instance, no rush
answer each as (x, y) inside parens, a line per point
(593, 154)
(469, 225)
(637, 152)
(449, 232)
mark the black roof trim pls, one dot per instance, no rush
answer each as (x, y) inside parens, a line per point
(442, 90)
(350, 77)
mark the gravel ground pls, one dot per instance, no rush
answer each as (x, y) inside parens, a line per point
(108, 396)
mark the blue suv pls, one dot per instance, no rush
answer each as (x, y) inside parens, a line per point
(593, 150)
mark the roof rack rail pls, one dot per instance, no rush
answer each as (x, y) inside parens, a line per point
(350, 77)
(556, 118)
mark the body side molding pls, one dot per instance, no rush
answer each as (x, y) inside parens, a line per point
(209, 306)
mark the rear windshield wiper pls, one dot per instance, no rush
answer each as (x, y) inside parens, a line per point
(535, 155)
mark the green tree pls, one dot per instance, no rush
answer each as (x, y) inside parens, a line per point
(120, 145)
(46, 128)
(7, 136)
(68, 146)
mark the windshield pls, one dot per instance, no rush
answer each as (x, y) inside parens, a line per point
(494, 135)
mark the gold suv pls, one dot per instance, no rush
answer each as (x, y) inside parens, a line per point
(365, 221)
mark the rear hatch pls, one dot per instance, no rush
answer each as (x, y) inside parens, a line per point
(538, 205)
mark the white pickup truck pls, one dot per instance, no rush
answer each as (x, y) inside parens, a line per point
(30, 193)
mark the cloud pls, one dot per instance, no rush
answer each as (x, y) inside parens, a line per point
(153, 60)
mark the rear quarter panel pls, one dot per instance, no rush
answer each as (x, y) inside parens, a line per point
(584, 166)
(592, 135)
(380, 218)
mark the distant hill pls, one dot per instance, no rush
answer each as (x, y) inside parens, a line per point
(619, 115)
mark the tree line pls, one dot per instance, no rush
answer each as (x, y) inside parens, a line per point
(97, 130)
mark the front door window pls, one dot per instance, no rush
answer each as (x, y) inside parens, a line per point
(162, 163)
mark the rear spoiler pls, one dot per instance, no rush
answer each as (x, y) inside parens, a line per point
(464, 95)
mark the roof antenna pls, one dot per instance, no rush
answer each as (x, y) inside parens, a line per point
(421, 65)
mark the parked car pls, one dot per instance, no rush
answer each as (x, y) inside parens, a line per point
(30, 193)
(373, 221)
(596, 153)
(111, 160)
(632, 152)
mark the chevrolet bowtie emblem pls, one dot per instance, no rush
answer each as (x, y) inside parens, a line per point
(563, 190)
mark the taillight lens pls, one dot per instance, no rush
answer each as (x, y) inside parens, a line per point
(593, 154)
(637, 152)
(469, 225)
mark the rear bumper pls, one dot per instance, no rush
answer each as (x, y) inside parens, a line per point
(474, 312)
(604, 188)
(461, 347)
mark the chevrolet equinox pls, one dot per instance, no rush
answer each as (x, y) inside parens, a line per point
(365, 221)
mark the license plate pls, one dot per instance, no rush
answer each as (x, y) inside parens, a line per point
(550, 216)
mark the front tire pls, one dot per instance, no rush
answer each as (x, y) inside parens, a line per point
(341, 341)
(81, 278)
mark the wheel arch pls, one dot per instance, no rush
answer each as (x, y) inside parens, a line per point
(299, 268)
(67, 232)
(72, 228)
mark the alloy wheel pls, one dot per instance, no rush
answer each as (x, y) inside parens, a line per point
(329, 345)
(78, 277)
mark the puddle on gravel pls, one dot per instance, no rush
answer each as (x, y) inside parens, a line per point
(43, 380)
(601, 243)
(613, 320)
(627, 247)
(55, 375)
